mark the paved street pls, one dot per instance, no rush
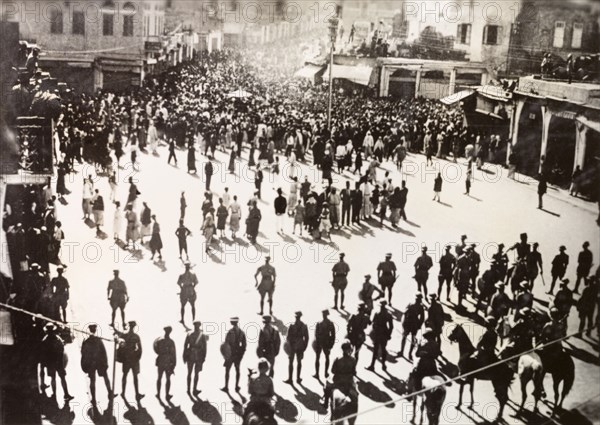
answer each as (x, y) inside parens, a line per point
(498, 210)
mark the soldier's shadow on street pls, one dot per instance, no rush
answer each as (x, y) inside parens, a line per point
(281, 327)
(54, 414)
(550, 212)
(137, 416)
(371, 391)
(174, 414)
(286, 410)
(104, 418)
(398, 386)
(583, 355)
(207, 412)
(161, 265)
(309, 399)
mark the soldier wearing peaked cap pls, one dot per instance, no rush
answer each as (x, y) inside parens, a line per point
(117, 296)
(340, 280)
(323, 342)
(414, 317)
(266, 286)
(166, 359)
(422, 266)
(523, 248)
(435, 317)
(366, 294)
(269, 343)
(386, 275)
(296, 341)
(381, 333)
(427, 353)
(129, 353)
(194, 355)
(559, 267)
(187, 283)
(356, 328)
(94, 361)
(60, 289)
(54, 359)
(501, 261)
(447, 265)
(233, 350)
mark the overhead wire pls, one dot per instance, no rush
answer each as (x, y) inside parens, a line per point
(452, 380)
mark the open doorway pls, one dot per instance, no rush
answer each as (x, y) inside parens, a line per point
(560, 151)
(529, 143)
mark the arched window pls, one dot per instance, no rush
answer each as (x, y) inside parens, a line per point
(108, 17)
(128, 22)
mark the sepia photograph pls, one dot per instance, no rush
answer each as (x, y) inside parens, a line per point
(319, 212)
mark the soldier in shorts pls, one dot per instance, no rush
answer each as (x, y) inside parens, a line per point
(386, 274)
(340, 280)
(166, 359)
(117, 296)
(266, 285)
(187, 282)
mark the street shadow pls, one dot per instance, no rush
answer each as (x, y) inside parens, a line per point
(281, 327)
(371, 391)
(573, 417)
(445, 204)
(287, 238)
(101, 235)
(396, 314)
(54, 414)
(90, 223)
(121, 244)
(404, 232)
(550, 212)
(174, 414)
(475, 198)
(241, 242)
(412, 224)
(161, 265)
(98, 418)
(310, 400)
(137, 416)
(583, 355)
(398, 386)
(207, 412)
(214, 258)
(63, 200)
(286, 410)
(528, 416)
(225, 240)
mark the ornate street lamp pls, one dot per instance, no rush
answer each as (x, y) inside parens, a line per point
(333, 27)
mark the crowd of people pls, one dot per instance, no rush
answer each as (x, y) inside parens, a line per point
(194, 108)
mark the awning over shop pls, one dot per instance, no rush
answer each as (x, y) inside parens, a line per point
(356, 74)
(495, 93)
(456, 97)
(308, 72)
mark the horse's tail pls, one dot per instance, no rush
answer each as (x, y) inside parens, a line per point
(569, 376)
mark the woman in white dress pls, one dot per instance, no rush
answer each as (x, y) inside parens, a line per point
(293, 198)
(117, 221)
(88, 194)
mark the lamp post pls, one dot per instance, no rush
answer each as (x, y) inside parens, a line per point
(333, 24)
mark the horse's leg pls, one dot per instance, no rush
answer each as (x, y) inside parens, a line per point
(556, 383)
(460, 393)
(422, 408)
(471, 385)
(412, 421)
(524, 381)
